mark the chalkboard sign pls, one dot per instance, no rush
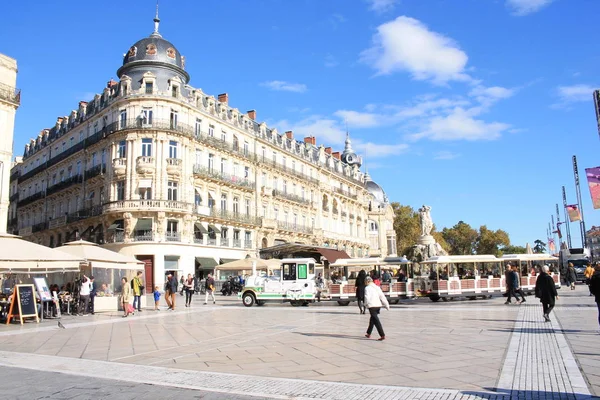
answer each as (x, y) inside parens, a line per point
(23, 304)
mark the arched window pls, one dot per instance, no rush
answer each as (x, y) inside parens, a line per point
(236, 143)
(223, 202)
(236, 205)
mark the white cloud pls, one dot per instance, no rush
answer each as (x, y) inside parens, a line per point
(461, 124)
(576, 93)
(324, 129)
(357, 119)
(374, 150)
(285, 86)
(382, 6)
(525, 7)
(445, 155)
(406, 44)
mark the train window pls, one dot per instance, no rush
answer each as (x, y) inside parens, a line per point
(289, 272)
(311, 269)
(302, 271)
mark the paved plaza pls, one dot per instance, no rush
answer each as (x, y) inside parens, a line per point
(455, 350)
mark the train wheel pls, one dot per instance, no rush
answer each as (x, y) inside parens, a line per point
(260, 302)
(395, 301)
(248, 299)
(472, 297)
(295, 303)
(445, 298)
(343, 303)
(434, 298)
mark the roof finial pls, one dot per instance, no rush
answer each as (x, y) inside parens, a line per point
(156, 22)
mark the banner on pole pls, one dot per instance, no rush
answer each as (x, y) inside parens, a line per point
(597, 107)
(557, 231)
(551, 245)
(593, 178)
(573, 211)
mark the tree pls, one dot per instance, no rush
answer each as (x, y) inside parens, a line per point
(489, 242)
(406, 226)
(460, 238)
(510, 249)
(540, 247)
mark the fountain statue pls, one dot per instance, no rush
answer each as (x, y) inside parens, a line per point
(426, 246)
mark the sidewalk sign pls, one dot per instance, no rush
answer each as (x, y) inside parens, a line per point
(23, 304)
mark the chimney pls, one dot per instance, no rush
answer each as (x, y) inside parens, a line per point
(336, 155)
(111, 83)
(252, 115)
(223, 98)
(289, 134)
(311, 139)
(328, 150)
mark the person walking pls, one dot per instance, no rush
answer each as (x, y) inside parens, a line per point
(571, 276)
(125, 296)
(595, 289)
(512, 282)
(545, 290)
(93, 293)
(589, 272)
(374, 300)
(360, 290)
(189, 290)
(320, 285)
(138, 287)
(210, 289)
(168, 291)
(156, 298)
(84, 295)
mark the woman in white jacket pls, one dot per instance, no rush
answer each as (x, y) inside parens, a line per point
(374, 300)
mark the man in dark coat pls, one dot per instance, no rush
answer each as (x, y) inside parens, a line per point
(545, 290)
(360, 290)
(512, 283)
(595, 289)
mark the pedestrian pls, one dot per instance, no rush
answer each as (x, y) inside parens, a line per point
(589, 272)
(595, 289)
(209, 284)
(374, 300)
(360, 290)
(189, 290)
(138, 287)
(545, 290)
(320, 285)
(93, 293)
(156, 298)
(512, 283)
(182, 283)
(125, 296)
(168, 291)
(571, 276)
(84, 295)
(173, 291)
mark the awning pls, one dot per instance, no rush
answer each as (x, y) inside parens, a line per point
(216, 228)
(332, 255)
(202, 226)
(143, 224)
(145, 183)
(227, 260)
(113, 227)
(285, 250)
(207, 262)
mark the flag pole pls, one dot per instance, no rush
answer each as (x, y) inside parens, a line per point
(578, 191)
(564, 193)
(558, 226)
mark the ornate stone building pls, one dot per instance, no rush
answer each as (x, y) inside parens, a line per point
(155, 168)
(10, 98)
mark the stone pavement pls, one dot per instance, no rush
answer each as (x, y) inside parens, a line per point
(464, 349)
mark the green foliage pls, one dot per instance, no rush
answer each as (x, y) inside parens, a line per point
(510, 249)
(540, 247)
(406, 226)
(489, 242)
(460, 238)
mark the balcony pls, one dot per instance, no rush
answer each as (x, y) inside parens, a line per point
(290, 197)
(174, 166)
(289, 226)
(247, 244)
(342, 175)
(173, 236)
(84, 214)
(39, 227)
(345, 193)
(212, 141)
(141, 205)
(227, 215)
(57, 222)
(75, 179)
(145, 165)
(30, 199)
(95, 171)
(146, 237)
(14, 175)
(26, 231)
(10, 94)
(211, 242)
(225, 178)
(237, 243)
(119, 166)
(14, 197)
(289, 171)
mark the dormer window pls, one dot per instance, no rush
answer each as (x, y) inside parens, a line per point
(174, 90)
(149, 87)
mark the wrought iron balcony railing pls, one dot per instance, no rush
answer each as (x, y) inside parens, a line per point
(291, 197)
(223, 177)
(10, 94)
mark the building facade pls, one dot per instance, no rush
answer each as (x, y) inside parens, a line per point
(10, 99)
(155, 168)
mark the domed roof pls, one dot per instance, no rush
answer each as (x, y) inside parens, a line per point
(153, 48)
(375, 190)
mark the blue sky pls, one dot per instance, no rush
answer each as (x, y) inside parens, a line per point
(474, 107)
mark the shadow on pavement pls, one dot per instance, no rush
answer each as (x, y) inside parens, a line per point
(332, 335)
(508, 394)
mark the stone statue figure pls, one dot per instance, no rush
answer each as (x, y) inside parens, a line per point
(426, 222)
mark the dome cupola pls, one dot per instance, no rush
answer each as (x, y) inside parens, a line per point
(349, 156)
